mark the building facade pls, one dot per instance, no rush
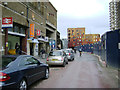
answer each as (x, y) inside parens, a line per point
(77, 37)
(114, 9)
(92, 38)
(34, 24)
(65, 43)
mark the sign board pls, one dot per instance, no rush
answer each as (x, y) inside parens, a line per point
(7, 22)
(32, 27)
(38, 32)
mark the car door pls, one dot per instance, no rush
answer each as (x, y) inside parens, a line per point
(37, 69)
(32, 68)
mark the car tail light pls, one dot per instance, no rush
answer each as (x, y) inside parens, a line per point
(4, 77)
(47, 59)
(69, 54)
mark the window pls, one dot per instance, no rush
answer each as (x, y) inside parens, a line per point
(38, 5)
(22, 31)
(10, 29)
(68, 30)
(28, 61)
(16, 29)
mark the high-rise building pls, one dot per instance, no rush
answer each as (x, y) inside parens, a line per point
(114, 9)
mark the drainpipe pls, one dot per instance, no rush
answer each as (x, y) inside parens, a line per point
(28, 20)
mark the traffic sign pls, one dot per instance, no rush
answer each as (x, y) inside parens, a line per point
(7, 22)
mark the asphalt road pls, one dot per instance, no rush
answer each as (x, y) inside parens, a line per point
(83, 72)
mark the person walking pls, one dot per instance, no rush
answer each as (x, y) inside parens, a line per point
(17, 47)
(80, 51)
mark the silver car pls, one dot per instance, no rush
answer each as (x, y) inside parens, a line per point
(70, 54)
(57, 57)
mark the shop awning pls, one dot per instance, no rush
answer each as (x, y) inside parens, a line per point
(33, 40)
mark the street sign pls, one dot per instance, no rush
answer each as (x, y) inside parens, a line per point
(38, 32)
(7, 22)
(32, 27)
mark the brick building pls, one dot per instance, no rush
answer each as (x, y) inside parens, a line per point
(92, 38)
(34, 23)
(77, 37)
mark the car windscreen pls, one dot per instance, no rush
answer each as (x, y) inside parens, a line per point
(55, 53)
(6, 61)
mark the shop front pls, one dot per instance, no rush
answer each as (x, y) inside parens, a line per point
(13, 36)
(32, 47)
(43, 44)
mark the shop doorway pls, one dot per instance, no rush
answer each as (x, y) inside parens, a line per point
(40, 45)
(31, 49)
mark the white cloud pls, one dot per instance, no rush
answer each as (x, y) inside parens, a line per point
(78, 8)
(91, 14)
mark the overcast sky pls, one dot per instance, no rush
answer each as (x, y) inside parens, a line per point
(91, 14)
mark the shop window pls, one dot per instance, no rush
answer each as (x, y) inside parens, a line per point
(16, 29)
(10, 29)
(22, 31)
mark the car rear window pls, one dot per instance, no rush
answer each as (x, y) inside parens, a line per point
(67, 51)
(7, 60)
(55, 53)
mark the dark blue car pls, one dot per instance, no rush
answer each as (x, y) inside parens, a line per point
(20, 71)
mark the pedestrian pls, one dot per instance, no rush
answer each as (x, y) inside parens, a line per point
(80, 52)
(43, 53)
(17, 47)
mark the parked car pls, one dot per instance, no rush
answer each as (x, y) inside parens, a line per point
(70, 54)
(57, 57)
(20, 71)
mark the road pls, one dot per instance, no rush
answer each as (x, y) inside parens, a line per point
(83, 72)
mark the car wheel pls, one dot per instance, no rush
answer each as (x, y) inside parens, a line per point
(64, 63)
(47, 73)
(23, 85)
(73, 58)
(67, 62)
